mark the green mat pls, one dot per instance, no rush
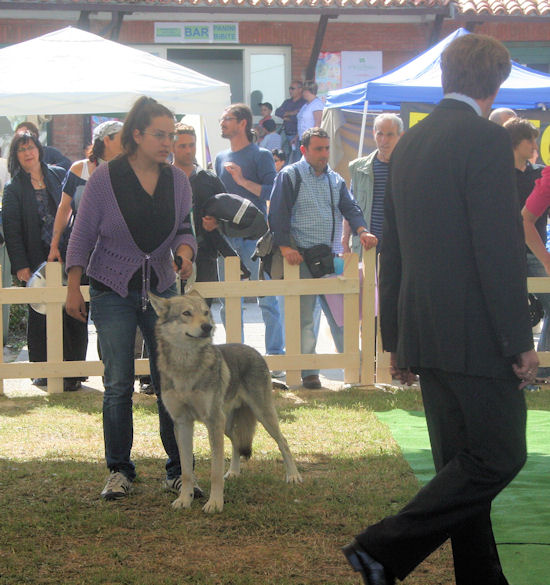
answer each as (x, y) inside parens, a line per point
(521, 513)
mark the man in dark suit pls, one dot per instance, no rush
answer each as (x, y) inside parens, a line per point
(454, 310)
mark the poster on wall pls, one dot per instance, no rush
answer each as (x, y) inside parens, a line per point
(342, 69)
(358, 66)
(327, 72)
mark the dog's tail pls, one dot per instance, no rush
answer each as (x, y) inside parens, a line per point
(241, 429)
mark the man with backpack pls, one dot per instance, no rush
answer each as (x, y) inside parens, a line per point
(308, 202)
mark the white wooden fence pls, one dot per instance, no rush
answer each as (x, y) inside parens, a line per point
(357, 361)
(362, 361)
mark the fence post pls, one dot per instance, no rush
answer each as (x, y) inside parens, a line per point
(382, 374)
(351, 321)
(368, 319)
(1, 334)
(54, 326)
(293, 335)
(233, 312)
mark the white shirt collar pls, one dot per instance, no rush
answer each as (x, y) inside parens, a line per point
(464, 98)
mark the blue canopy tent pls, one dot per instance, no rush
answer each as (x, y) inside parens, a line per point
(419, 80)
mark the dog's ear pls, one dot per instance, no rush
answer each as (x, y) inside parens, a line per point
(160, 305)
(194, 293)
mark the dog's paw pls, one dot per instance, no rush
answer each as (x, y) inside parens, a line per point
(231, 474)
(213, 506)
(293, 478)
(182, 502)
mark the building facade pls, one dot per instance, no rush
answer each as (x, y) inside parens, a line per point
(259, 46)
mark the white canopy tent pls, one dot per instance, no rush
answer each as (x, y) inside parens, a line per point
(71, 71)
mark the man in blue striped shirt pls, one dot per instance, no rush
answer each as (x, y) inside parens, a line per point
(368, 179)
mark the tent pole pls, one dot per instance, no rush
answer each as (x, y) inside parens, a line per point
(363, 126)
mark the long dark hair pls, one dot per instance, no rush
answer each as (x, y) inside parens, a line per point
(138, 118)
(243, 112)
(21, 138)
(95, 151)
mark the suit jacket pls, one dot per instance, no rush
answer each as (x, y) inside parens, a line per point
(453, 287)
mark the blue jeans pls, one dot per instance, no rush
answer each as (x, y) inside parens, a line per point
(535, 268)
(274, 335)
(309, 322)
(116, 320)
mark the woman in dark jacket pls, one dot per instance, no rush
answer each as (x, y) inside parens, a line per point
(29, 205)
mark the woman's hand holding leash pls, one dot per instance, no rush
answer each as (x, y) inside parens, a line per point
(184, 267)
(183, 261)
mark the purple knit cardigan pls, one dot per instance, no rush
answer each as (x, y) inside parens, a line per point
(100, 229)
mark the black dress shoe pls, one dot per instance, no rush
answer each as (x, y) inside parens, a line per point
(372, 571)
(146, 388)
(71, 385)
(311, 382)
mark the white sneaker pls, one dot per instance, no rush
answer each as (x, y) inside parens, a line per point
(117, 486)
(174, 486)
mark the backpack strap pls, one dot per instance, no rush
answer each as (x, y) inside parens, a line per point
(297, 183)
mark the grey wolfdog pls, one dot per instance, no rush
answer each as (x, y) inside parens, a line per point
(226, 387)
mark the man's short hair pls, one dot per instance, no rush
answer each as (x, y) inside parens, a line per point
(311, 86)
(310, 133)
(279, 153)
(474, 65)
(269, 125)
(396, 120)
(182, 128)
(520, 129)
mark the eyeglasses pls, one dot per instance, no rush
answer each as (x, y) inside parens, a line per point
(160, 135)
(292, 87)
(227, 118)
(28, 148)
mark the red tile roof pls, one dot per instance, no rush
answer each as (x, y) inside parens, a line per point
(504, 7)
(480, 8)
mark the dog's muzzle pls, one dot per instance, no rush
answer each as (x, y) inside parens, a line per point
(206, 329)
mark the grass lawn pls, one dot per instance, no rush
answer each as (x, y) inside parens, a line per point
(56, 529)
